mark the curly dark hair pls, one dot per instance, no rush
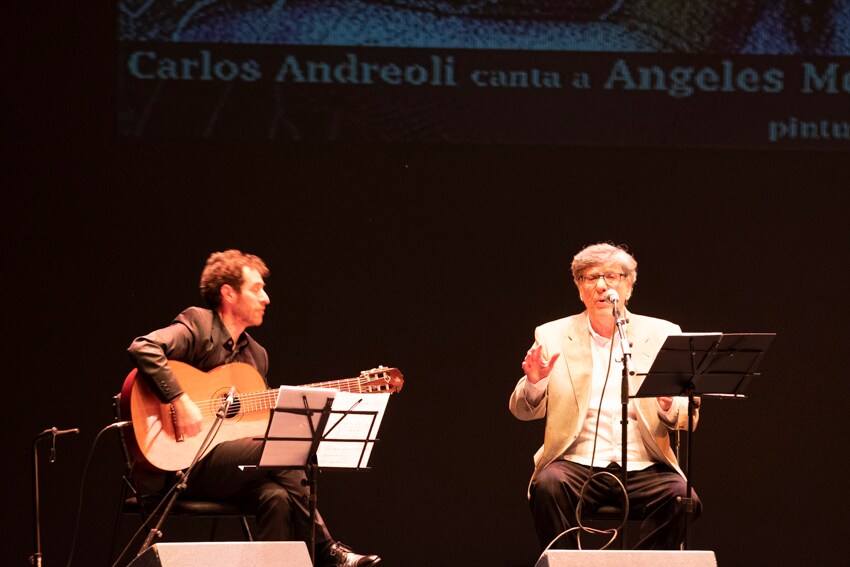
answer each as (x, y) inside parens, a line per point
(226, 268)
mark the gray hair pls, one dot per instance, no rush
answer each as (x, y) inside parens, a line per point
(604, 253)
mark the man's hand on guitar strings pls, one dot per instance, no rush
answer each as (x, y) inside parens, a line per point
(185, 417)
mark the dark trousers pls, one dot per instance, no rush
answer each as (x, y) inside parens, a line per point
(279, 499)
(652, 498)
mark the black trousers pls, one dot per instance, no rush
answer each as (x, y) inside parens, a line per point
(554, 496)
(279, 499)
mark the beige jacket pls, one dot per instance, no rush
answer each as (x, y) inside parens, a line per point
(567, 397)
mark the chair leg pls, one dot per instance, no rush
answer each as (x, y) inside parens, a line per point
(246, 529)
(126, 488)
(117, 528)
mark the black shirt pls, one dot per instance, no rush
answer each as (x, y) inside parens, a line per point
(197, 337)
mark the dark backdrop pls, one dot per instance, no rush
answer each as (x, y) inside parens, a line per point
(438, 260)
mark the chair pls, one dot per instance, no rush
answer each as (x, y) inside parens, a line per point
(606, 519)
(141, 498)
(610, 516)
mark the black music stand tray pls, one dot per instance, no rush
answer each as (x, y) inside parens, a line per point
(704, 364)
(300, 435)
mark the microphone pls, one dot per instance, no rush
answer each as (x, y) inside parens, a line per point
(228, 401)
(53, 431)
(611, 296)
(64, 431)
(119, 424)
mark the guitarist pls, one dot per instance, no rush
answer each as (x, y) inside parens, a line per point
(232, 284)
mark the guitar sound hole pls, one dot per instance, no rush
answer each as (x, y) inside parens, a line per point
(233, 411)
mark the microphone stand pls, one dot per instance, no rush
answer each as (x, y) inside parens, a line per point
(624, 401)
(36, 557)
(156, 531)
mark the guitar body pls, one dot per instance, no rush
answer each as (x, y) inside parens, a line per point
(153, 431)
(153, 442)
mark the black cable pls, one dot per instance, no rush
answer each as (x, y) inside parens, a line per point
(83, 484)
(591, 475)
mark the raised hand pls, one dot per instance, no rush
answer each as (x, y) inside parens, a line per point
(535, 366)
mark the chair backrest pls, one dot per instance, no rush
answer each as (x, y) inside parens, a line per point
(142, 481)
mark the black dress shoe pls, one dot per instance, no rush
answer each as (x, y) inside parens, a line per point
(340, 555)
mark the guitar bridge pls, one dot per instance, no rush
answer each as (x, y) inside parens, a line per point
(177, 438)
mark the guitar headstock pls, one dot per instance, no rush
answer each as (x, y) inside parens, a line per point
(381, 379)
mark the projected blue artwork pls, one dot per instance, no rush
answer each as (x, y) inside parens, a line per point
(712, 73)
(710, 26)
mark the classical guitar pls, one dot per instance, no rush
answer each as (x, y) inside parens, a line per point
(153, 442)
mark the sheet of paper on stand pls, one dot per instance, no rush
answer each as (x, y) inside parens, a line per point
(349, 437)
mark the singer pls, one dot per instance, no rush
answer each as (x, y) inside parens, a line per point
(232, 284)
(573, 378)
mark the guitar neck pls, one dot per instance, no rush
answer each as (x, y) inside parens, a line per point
(346, 385)
(257, 401)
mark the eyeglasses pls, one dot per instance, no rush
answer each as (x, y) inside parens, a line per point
(609, 277)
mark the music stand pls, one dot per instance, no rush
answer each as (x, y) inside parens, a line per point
(703, 364)
(308, 430)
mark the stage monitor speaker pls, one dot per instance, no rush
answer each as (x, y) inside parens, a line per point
(225, 554)
(605, 558)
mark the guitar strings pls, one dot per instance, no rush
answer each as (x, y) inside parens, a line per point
(255, 401)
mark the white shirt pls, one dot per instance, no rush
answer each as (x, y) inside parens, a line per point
(609, 438)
